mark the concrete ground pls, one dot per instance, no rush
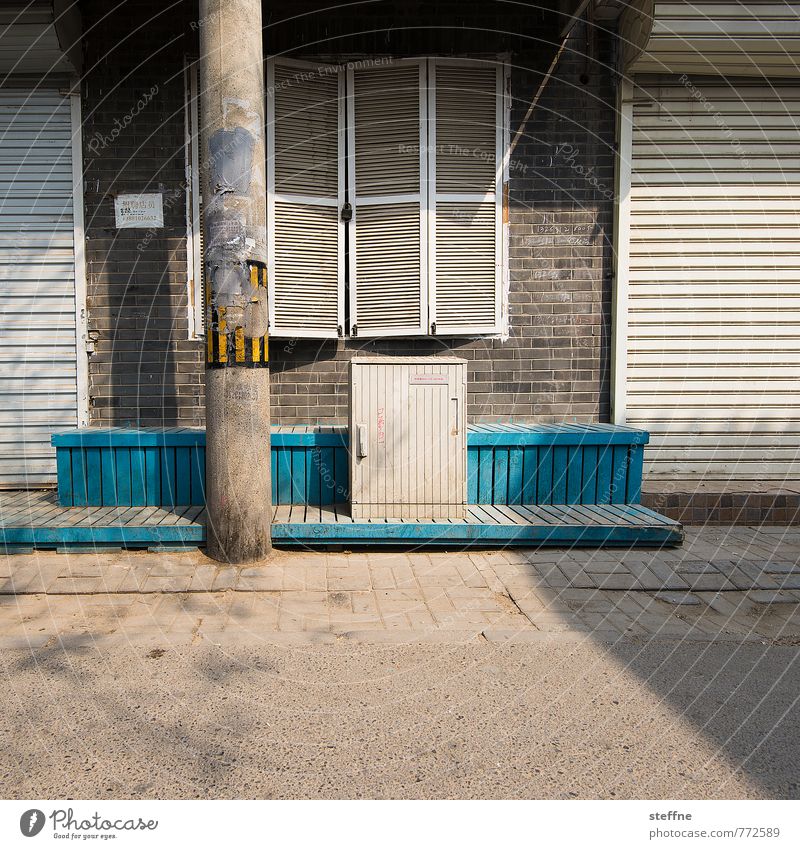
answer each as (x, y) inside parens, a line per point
(522, 673)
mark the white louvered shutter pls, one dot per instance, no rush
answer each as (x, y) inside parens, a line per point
(387, 176)
(467, 143)
(305, 193)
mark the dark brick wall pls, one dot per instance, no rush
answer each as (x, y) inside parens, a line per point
(144, 369)
(554, 366)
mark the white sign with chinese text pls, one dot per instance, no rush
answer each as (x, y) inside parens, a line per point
(138, 211)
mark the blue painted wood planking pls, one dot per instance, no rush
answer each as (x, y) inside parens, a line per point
(138, 477)
(500, 477)
(298, 489)
(619, 483)
(313, 490)
(560, 475)
(284, 467)
(555, 465)
(80, 496)
(197, 493)
(94, 476)
(183, 475)
(169, 490)
(515, 465)
(122, 462)
(152, 476)
(485, 475)
(64, 476)
(327, 470)
(544, 476)
(109, 478)
(473, 470)
(633, 492)
(604, 474)
(342, 475)
(356, 532)
(530, 465)
(588, 494)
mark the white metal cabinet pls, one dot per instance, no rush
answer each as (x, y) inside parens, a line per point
(408, 437)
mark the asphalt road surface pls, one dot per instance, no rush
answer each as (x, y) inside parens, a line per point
(639, 719)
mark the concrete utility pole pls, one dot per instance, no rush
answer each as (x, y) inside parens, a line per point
(233, 170)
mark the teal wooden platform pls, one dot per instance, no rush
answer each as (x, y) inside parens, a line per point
(507, 464)
(34, 519)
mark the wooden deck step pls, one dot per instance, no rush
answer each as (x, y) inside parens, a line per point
(35, 519)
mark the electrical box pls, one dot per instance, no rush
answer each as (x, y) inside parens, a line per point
(408, 446)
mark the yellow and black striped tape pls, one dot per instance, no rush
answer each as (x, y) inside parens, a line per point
(229, 346)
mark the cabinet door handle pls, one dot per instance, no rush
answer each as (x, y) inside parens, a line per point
(361, 440)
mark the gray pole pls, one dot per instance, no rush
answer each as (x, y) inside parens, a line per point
(233, 169)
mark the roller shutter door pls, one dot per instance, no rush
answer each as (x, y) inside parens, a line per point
(714, 291)
(38, 385)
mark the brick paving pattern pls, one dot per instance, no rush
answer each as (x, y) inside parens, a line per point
(737, 583)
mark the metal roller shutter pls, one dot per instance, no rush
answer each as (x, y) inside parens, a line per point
(38, 364)
(714, 280)
(759, 38)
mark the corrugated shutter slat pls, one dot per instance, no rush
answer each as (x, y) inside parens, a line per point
(714, 283)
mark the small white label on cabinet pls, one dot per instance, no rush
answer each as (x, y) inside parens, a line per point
(428, 379)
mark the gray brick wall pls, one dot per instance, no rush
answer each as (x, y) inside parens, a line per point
(144, 370)
(554, 366)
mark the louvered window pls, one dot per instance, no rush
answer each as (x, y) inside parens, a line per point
(305, 175)
(467, 130)
(416, 149)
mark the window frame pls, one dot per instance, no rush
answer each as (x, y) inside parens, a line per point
(195, 283)
(379, 200)
(274, 197)
(498, 197)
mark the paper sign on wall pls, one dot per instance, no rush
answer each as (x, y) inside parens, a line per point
(138, 211)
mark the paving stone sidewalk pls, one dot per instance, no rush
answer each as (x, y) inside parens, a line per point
(735, 583)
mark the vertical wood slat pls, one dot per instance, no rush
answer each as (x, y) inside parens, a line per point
(605, 474)
(327, 470)
(530, 468)
(197, 494)
(633, 483)
(94, 476)
(108, 475)
(168, 487)
(183, 472)
(544, 474)
(152, 476)
(138, 478)
(64, 476)
(122, 464)
(313, 478)
(342, 475)
(619, 479)
(80, 495)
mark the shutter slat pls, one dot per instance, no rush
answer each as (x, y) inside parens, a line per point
(305, 162)
(388, 245)
(467, 234)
